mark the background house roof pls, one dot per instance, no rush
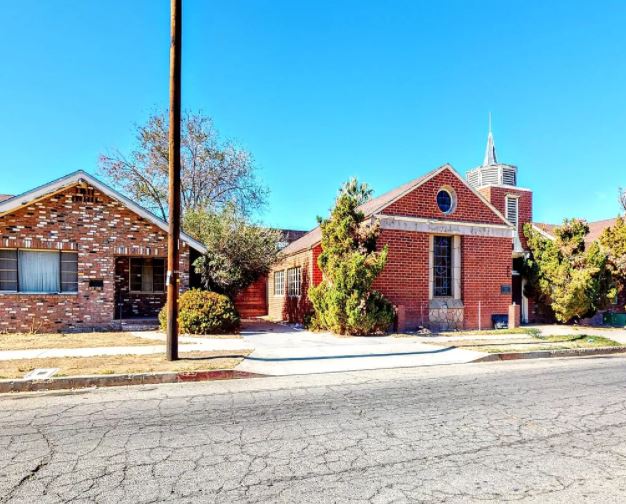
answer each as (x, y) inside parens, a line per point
(21, 200)
(595, 229)
(5, 197)
(291, 235)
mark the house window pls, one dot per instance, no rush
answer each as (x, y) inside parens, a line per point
(69, 272)
(147, 274)
(294, 277)
(279, 283)
(442, 266)
(34, 271)
(512, 210)
(8, 270)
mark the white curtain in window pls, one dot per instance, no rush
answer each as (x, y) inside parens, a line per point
(39, 271)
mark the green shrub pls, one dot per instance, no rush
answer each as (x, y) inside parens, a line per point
(204, 312)
(345, 302)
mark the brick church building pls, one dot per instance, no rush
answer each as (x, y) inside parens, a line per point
(455, 249)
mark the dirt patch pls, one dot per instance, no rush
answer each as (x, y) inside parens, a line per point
(122, 364)
(71, 340)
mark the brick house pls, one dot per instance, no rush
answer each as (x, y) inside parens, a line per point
(76, 254)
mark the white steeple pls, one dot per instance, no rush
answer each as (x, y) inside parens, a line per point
(490, 151)
(492, 172)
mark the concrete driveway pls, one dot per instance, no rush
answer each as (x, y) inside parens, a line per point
(283, 350)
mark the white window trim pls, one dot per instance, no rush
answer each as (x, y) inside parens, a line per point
(298, 281)
(282, 284)
(515, 197)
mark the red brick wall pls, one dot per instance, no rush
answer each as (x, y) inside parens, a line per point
(421, 202)
(496, 195)
(404, 281)
(485, 267)
(277, 303)
(99, 230)
(317, 272)
(252, 301)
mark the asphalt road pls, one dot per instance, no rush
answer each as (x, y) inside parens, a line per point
(540, 431)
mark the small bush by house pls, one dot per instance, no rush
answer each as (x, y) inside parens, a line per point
(204, 312)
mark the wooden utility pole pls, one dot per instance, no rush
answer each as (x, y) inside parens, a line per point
(173, 252)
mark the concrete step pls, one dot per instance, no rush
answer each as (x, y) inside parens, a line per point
(127, 325)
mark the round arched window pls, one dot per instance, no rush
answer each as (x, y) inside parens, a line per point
(445, 201)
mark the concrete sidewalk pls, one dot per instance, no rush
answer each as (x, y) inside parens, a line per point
(283, 350)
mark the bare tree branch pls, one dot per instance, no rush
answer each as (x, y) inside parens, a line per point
(214, 172)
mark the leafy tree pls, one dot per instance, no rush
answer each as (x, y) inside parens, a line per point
(344, 302)
(562, 273)
(238, 252)
(613, 241)
(214, 172)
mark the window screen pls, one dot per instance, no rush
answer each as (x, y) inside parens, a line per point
(147, 274)
(8, 270)
(69, 272)
(279, 283)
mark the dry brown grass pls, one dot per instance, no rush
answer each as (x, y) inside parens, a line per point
(71, 340)
(122, 364)
(532, 344)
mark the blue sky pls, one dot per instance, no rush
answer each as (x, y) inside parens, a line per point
(320, 90)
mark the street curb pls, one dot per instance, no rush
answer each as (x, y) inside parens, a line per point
(120, 380)
(546, 354)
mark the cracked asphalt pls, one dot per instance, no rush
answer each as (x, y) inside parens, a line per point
(538, 431)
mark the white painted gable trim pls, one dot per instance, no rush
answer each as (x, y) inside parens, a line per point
(440, 226)
(543, 233)
(26, 198)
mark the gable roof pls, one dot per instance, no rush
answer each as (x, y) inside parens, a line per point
(379, 203)
(595, 229)
(291, 235)
(21, 200)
